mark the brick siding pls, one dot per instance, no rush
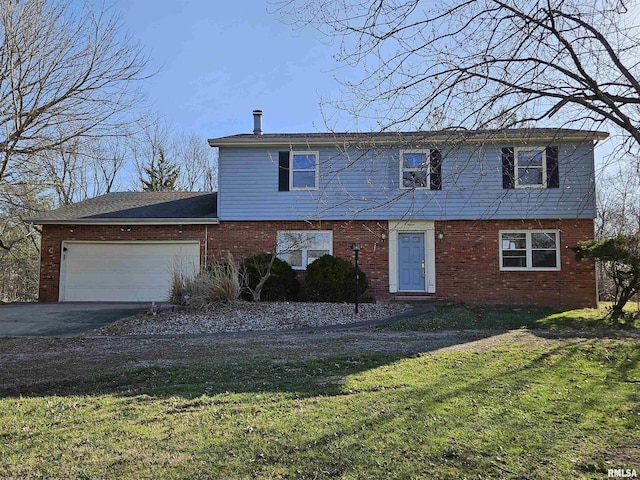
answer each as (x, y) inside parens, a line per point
(468, 266)
(467, 258)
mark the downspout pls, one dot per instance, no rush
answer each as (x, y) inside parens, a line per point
(206, 245)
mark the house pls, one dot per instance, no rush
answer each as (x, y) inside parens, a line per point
(471, 216)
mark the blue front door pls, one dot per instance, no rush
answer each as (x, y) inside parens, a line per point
(411, 262)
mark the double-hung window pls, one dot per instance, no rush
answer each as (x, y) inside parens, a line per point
(304, 171)
(300, 248)
(530, 250)
(415, 168)
(421, 169)
(530, 168)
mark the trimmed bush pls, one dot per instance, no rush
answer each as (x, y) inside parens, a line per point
(282, 284)
(332, 279)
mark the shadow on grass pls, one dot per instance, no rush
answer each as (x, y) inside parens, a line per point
(323, 375)
(472, 389)
(302, 378)
(248, 363)
(480, 317)
(531, 405)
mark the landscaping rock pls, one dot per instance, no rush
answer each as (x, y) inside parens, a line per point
(249, 316)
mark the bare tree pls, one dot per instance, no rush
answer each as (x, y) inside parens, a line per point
(19, 240)
(618, 202)
(198, 163)
(69, 80)
(108, 158)
(66, 73)
(78, 170)
(485, 63)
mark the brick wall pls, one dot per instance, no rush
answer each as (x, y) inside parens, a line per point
(242, 239)
(468, 266)
(54, 235)
(467, 258)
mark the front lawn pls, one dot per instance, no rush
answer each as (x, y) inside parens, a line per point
(506, 408)
(469, 317)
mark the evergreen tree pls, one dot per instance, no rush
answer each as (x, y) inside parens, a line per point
(161, 174)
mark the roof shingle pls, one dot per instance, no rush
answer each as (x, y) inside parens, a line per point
(141, 207)
(399, 138)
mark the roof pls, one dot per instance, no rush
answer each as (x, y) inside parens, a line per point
(137, 207)
(398, 138)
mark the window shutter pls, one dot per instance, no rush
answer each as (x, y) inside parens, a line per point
(508, 168)
(553, 176)
(435, 177)
(283, 171)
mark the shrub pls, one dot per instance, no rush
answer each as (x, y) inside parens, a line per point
(280, 284)
(620, 259)
(217, 282)
(331, 279)
(223, 280)
(179, 285)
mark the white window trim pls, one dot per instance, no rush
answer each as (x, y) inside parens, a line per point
(304, 250)
(529, 251)
(427, 151)
(516, 150)
(418, 226)
(317, 169)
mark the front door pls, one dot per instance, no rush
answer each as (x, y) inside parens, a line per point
(411, 262)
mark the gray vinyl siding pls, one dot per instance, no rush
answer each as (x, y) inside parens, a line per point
(364, 184)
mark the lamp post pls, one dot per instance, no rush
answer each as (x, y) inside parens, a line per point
(356, 249)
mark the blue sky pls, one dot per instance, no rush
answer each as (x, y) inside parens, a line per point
(219, 60)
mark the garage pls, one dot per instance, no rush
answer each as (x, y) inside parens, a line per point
(123, 271)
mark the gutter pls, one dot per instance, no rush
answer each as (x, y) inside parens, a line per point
(283, 141)
(128, 221)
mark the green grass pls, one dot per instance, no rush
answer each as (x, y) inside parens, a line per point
(462, 317)
(514, 411)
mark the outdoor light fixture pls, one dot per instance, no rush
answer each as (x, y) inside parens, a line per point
(125, 228)
(440, 235)
(356, 249)
(72, 228)
(383, 236)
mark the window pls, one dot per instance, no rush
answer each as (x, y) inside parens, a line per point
(530, 168)
(300, 248)
(304, 171)
(420, 169)
(530, 250)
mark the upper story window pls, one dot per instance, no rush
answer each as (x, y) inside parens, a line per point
(300, 248)
(304, 171)
(530, 167)
(298, 171)
(530, 250)
(421, 169)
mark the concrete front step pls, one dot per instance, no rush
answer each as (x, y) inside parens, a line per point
(418, 299)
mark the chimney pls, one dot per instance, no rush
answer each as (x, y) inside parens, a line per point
(257, 122)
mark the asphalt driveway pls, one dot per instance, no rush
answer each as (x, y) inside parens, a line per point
(61, 319)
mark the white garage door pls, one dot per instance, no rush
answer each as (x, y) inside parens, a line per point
(123, 271)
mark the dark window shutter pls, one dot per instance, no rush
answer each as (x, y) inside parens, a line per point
(553, 176)
(283, 171)
(435, 178)
(508, 168)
